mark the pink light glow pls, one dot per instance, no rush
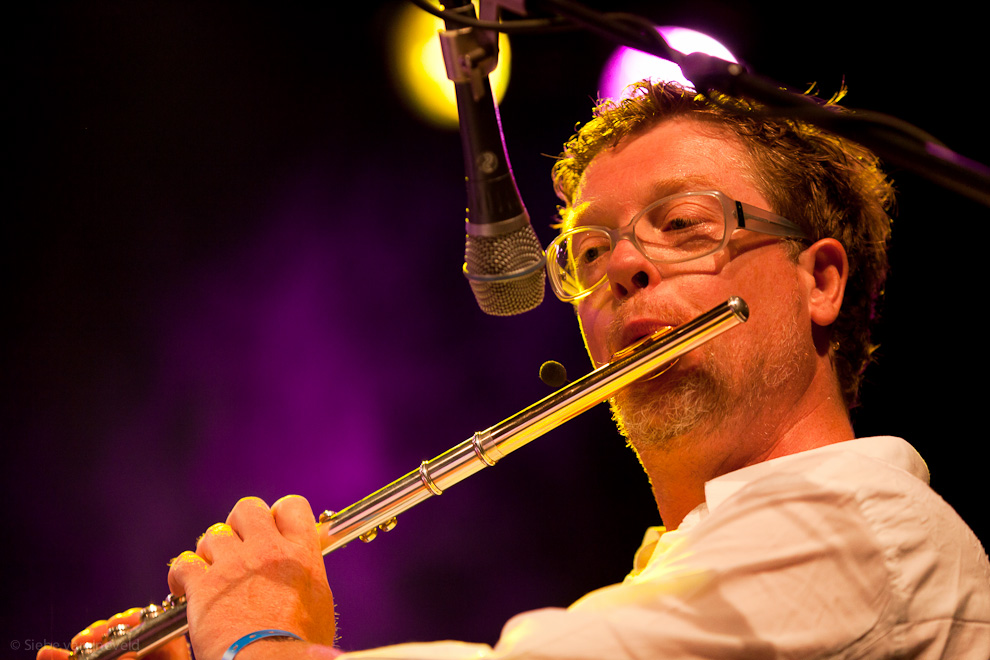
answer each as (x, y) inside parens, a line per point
(627, 66)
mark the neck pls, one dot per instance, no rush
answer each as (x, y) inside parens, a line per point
(678, 470)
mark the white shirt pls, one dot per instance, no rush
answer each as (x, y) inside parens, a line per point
(838, 552)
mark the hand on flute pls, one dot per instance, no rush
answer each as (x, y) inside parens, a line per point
(261, 569)
(177, 649)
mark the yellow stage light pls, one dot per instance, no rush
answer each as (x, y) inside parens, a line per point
(418, 69)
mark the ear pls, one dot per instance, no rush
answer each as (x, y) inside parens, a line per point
(827, 267)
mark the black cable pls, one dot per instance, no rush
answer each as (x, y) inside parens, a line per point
(893, 139)
(515, 26)
(627, 29)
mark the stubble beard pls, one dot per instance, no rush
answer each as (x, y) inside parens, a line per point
(668, 411)
(656, 414)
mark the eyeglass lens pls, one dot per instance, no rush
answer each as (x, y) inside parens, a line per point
(669, 231)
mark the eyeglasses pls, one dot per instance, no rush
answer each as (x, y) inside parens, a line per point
(671, 230)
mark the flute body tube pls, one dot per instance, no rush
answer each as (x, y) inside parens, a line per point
(379, 510)
(487, 447)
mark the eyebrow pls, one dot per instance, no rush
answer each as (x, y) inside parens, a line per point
(690, 183)
(576, 216)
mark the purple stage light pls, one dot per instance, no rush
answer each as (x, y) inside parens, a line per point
(627, 65)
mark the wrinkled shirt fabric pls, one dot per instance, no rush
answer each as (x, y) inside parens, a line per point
(838, 552)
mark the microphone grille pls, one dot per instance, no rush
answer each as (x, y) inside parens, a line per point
(506, 272)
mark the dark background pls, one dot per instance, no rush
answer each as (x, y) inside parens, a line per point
(232, 266)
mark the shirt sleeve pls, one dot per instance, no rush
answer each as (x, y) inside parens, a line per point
(785, 568)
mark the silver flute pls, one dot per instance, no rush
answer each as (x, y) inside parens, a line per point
(378, 511)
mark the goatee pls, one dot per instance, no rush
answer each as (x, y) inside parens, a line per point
(653, 414)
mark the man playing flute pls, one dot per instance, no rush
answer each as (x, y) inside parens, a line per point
(784, 535)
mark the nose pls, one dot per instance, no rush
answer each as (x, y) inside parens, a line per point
(629, 270)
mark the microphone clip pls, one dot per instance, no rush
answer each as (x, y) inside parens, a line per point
(470, 55)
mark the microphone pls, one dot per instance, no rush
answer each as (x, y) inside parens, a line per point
(503, 258)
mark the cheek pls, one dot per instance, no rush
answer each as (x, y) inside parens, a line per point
(777, 307)
(593, 332)
(766, 278)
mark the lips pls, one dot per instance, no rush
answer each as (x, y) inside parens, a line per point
(635, 331)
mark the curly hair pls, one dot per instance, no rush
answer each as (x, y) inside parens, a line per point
(830, 186)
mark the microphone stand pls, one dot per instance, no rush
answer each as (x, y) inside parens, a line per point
(921, 154)
(894, 141)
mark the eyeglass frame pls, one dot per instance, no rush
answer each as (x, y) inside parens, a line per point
(766, 222)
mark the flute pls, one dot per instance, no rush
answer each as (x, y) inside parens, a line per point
(378, 511)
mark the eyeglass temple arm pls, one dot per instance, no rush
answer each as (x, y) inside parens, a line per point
(766, 222)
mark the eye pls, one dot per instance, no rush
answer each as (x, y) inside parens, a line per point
(587, 249)
(680, 223)
(588, 255)
(684, 218)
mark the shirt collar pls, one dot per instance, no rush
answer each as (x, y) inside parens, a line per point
(888, 449)
(893, 451)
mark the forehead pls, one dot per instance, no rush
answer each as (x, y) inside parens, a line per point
(678, 155)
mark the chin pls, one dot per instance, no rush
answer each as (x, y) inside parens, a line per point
(655, 413)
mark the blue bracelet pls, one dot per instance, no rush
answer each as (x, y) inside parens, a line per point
(254, 637)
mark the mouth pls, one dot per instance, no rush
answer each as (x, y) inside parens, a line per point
(636, 339)
(636, 333)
